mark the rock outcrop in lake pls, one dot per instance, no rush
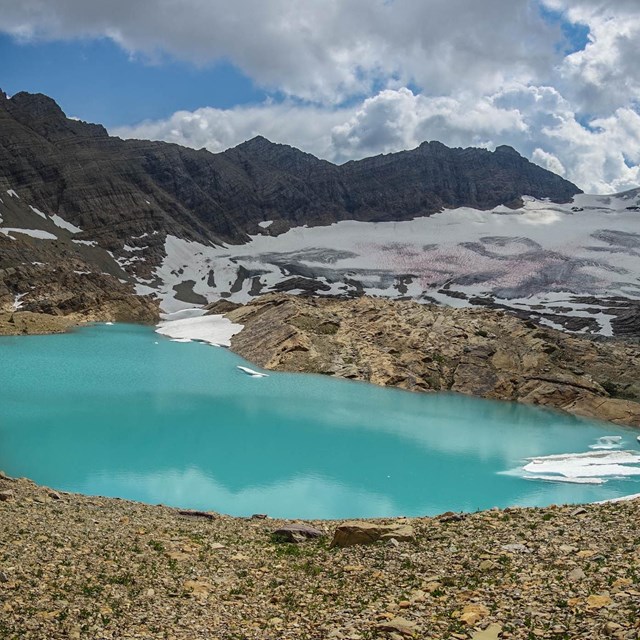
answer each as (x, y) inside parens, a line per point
(481, 352)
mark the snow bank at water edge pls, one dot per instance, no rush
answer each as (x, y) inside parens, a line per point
(215, 330)
(572, 467)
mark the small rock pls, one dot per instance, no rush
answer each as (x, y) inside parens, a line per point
(580, 511)
(486, 565)
(492, 632)
(259, 516)
(54, 495)
(612, 628)
(6, 495)
(296, 533)
(4, 577)
(598, 601)
(473, 613)
(450, 516)
(576, 575)
(392, 542)
(198, 588)
(515, 548)
(404, 627)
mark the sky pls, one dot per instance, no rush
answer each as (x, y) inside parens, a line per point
(559, 80)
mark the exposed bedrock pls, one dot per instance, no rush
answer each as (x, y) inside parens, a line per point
(418, 347)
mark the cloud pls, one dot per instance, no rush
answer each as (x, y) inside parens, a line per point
(362, 77)
(600, 157)
(321, 50)
(604, 75)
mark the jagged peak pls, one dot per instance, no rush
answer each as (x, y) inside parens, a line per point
(507, 150)
(37, 104)
(45, 116)
(257, 142)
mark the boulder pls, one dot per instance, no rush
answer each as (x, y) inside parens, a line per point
(350, 534)
(296, 533)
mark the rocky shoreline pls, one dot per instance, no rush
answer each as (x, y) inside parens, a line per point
(78, 567)
(481, 352)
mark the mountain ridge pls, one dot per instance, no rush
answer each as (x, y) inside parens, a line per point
(222, 196)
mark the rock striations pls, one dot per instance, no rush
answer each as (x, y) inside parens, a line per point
(430, 348)
(121, 188)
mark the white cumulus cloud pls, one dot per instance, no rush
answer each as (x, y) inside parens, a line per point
(362, 77)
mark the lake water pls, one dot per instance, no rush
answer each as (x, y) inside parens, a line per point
(120, 411)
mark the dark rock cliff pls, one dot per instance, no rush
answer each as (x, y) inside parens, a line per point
(115, 189)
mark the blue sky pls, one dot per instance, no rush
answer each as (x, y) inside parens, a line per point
(97, 81)
(559, 80)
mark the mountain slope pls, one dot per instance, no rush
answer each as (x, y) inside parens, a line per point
(87, 219)
(76, 170)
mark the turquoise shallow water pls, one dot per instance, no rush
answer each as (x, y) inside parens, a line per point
(120, 411)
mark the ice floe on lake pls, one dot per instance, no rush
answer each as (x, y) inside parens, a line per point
(607, 442)
(251, 372)
(592, 467)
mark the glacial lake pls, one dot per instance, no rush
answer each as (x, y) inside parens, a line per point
(121, 411)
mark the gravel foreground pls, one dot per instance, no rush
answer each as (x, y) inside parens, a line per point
(74, 566)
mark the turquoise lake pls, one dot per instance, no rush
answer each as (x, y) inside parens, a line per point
(121, 411)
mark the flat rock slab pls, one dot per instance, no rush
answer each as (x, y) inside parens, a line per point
(353, 533)
(297, 533)
(402, 626)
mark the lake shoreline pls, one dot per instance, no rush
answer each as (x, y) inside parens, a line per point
(396, 344)
(78, 566)
(479, 352)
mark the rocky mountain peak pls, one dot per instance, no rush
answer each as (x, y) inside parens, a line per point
(36, 105)
(507, 150)
(42, 114)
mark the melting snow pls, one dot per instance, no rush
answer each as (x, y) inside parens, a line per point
(582, 467)
(38, 212)
(216, 330)
(63, 224)
(13, 194)
(542, 254)
(34, 233)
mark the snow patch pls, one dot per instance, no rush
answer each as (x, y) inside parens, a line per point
(13, 194)
(38, 212)
(63, 224)
(265, 224)
(88, 243)
(216, 330)
(33, 233)
(17, 301)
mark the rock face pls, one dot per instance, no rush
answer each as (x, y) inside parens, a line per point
(117, 189)
(429, 348)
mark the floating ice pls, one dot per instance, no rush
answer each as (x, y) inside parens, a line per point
(607, 442)
(583, 467)
(252, 373)
(567, 480)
